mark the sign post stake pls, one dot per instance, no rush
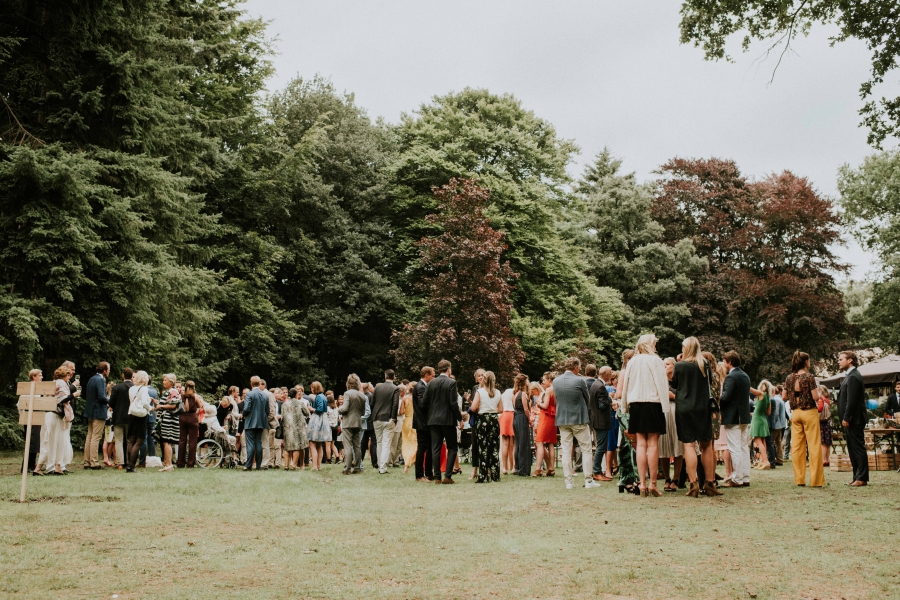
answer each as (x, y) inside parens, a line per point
(27, 443)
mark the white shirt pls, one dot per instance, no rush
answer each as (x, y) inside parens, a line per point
(507, 398)
(488, 405)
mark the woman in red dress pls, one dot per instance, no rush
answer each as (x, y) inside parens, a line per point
(545, 434)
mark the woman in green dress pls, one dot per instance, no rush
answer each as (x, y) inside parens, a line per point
(759, 425)
(628, 475)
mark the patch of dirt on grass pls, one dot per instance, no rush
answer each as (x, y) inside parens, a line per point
(68, 499)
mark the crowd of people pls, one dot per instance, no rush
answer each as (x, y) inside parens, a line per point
(655, 418)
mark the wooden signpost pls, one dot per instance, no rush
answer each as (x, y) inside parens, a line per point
(33, 396)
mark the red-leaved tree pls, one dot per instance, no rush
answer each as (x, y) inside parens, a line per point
(770, 289)
(466, 288)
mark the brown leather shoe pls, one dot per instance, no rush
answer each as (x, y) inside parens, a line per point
(734, 485)
(694, 490)
(447, 481)
(859, 483)
(710, 489)
(438, 481)
(602, 478)
(745, 484)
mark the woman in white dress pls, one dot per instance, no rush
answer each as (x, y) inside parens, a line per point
(57, 453)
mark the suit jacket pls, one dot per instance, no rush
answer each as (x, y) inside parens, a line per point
(735, 400)
(95, 400)
(893, 405)
(120, 402)
(256, 410)
(572, 397)
(352, 408)
(420, 409)
(385, 401)
(441, 398)
(852, 400)
(273, 409)
(599, 406)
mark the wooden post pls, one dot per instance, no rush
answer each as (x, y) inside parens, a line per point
(27, 443)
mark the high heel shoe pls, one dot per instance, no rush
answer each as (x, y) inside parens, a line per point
(655, 492)
(694, 492)
(710, 489)
(643, 492)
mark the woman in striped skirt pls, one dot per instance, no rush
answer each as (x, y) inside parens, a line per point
(169, 408)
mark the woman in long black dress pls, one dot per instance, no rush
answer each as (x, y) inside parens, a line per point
(692, 382)
(522, 425)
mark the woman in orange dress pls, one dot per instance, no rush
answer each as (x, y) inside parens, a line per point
(545, 433)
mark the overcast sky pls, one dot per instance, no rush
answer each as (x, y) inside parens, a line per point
(604, 73)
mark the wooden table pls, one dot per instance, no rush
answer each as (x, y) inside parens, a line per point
(881, 435)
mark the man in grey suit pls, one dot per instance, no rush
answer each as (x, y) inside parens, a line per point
(854, 414)
(352, 410)
(572, 396)
(385, 403)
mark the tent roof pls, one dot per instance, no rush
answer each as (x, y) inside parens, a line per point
(880, 372)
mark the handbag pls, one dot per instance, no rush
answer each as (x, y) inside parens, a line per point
(825, 415)
(279, 431)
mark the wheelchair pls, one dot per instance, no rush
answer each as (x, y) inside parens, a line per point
(216, 450)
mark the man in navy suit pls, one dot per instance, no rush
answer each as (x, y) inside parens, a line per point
(853, 412)
(444, 416)
(735, 403)
(256, 418)
(892, 408)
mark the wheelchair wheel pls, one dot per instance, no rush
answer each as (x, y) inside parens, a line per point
(209, 454)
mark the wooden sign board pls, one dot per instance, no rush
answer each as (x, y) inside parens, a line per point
(43, 403)
(37, 418)
(41, 388)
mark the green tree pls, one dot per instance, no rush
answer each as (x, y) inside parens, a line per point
(113, 114)
(623, 248)
(518, 157)
(870, 198)
(710, 23)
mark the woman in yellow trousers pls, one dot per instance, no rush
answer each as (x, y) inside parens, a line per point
(800, 391)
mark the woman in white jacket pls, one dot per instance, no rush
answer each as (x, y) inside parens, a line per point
(645, 392)
(140, 406)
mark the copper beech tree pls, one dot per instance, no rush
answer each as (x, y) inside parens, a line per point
(466, 291)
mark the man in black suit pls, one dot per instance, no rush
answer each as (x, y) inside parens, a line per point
(892, 408)
(853, 413)
(368, 435)
(735, 402)
(441, 398)
(420, 424)
(121, 402)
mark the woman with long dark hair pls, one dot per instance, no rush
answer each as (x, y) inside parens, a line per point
(522, 425)
(189, 426)
(801, 393)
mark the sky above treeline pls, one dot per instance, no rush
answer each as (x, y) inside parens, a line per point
(604, 73)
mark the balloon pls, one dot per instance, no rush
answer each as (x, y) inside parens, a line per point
(872, 404)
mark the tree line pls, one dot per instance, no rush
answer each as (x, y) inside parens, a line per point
(160, 210)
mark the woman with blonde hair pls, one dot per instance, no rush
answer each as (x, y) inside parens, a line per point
(487, 404)
(171, 405)
(56, 451)
(694, 386)
(645, 392)
(140, 406)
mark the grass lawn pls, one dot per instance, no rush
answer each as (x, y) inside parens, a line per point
(225, 533)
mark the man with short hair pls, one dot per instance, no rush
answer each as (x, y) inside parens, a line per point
(854, 414)
(600, 415)
(120, 402)
(735, 403)
(892, 408)
(572, 398)
(420, 424)
(95, 406)
(256, 420)
(385, 404)
(368, 430)
(444, 417)
(777, 425)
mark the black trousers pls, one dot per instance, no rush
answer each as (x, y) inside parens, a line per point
(439, 435)
(368, 443)
(423, 453)
(856, 448)
(770, 451)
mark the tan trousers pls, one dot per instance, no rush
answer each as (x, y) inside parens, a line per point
(92, 442)
(582, 435)
(806, 436)
(777, 439)
(120, 432)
